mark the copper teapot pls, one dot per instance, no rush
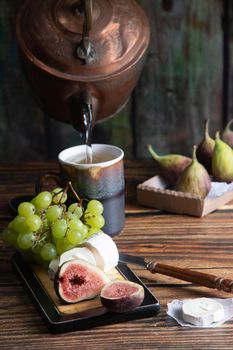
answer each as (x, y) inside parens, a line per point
(79, 53)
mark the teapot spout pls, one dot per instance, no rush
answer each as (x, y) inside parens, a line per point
(84, 109)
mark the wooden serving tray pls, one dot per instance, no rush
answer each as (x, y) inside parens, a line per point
(154, 193)
(60, 317)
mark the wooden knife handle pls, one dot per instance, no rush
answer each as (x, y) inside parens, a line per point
(196, 277)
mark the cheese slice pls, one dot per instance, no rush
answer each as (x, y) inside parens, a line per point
(202, 311)
(99, 250)
(82, 253)
(104, 250)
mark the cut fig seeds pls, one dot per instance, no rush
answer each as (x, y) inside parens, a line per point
(122, 296)
(78, 280)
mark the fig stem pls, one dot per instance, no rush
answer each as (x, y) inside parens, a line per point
(228, 125)
(194, 152)
(152, 152)
(207, 128)
(217, 135)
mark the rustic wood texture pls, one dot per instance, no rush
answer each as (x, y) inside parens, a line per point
(205, 245)
(228, 57)
(181, 84)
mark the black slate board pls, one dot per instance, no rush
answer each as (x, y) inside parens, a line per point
(58, 322)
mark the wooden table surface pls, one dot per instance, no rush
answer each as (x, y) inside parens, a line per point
(204, 244)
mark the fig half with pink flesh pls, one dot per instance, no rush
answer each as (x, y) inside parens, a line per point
(78, 280)
(122, 296)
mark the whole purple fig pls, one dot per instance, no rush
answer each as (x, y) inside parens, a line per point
(205, 149)
(170, 166)
(227, 134)
(195, 179)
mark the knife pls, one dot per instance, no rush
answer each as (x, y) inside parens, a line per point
(196, 277)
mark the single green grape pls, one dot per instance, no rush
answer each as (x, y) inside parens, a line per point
(55, 240)
(43, 200)
(57, 196)
(95, 207)
(54, 212)
(18, 224)
(36, 250)
(37, 210)
(96, 221)
(10, 225)
(59, 228)
(71, 215)
(94, 230)
(48, 252)
(74, 236)
(9, 236)
(75, 224)
(33, 201)
(76, 209)
(25, 240)
(87, 215)
(62, 245)
(26, 209)
(84, 231)
(33, 222)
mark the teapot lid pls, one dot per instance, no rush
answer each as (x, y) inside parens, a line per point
(52, 34)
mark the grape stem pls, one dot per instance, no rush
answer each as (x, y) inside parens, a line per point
(70, 186)
(40, 237)
(64, 191)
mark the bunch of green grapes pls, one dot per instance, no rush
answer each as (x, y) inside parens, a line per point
(45, 228)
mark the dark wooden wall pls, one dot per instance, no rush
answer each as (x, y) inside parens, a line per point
(188, 76)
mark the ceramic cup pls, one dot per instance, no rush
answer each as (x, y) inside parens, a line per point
(103, 179)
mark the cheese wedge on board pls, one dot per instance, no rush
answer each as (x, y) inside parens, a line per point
(104, 250)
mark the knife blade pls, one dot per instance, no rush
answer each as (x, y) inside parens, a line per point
(196, 277)
(132, 259)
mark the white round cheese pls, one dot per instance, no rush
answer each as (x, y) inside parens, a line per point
(104, 250)
(202, 311)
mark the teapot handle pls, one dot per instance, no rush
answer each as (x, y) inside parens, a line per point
(85, 50)
(87, 17)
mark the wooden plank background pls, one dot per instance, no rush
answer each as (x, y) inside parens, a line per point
(188, 64)
(228, 58)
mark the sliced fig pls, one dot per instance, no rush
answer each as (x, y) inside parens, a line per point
(122, 296)
(78, 280)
